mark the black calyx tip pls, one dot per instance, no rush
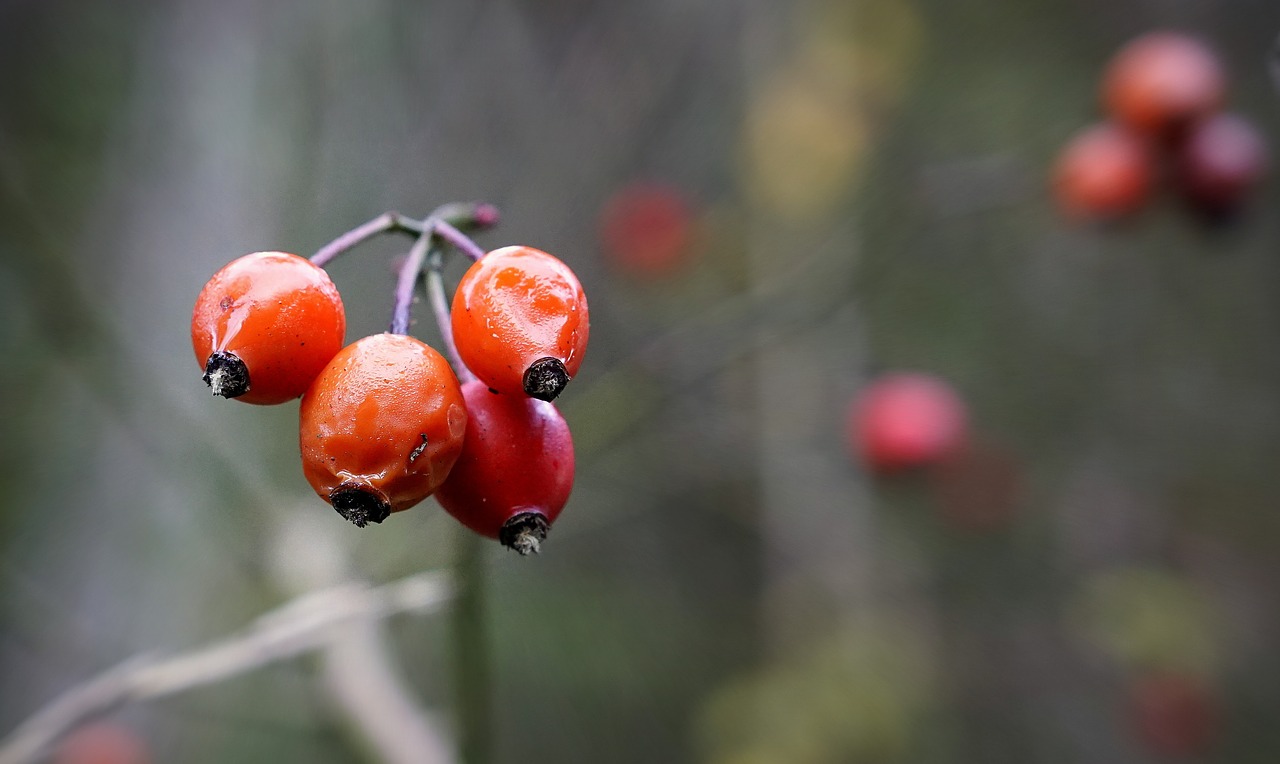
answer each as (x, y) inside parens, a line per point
(226, 375)
(360, 504)
(545, 379)
(525, 532)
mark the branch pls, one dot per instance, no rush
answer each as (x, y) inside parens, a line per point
(306, 623)
(363, 681)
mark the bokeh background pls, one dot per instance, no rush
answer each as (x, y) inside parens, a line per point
(865, 184)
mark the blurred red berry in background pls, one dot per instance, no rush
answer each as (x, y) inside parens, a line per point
(1105, 172)
(904, 421)
(1174, 714)
(1161, 82)
(646, 229)
(1221, 161)
(101, 743)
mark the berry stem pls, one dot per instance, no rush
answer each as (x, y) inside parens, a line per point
(387, 222)
(440, 307)
(443, 224)
(406, 281)
(458, 239)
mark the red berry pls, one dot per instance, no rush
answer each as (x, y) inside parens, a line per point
(381, 427)
(520, 322)
(1163, 81)
(515, 471)
(1222, 159)
(265, 325)
(101, 743)
(647, 230)
(904, 421)
(1104, 173)
(1174, 714)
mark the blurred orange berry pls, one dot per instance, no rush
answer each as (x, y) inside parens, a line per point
(1161, 82)
(1105, 172)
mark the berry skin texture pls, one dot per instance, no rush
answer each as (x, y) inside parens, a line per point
(906, 421)
(1221, 161)
(1161, 82)
(265, 325)
(520, 322)
(516, 468)
(646, 230)
(1104, 173)
(381, 427)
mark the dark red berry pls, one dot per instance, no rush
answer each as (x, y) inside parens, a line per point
(516, 468)
(1220, 162)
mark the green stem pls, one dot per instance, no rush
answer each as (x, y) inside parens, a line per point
(440, 307)
(472, 675)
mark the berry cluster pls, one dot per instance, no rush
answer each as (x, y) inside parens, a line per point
(1163, 94)
(385, 421)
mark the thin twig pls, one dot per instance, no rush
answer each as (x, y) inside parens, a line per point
(458, 239)
(360, 675)
(298, 626)
(384, 223)
(405, 283)
(440, 307)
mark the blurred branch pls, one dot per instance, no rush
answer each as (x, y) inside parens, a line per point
(361, 678)
(311, 621)
(1273, 64)
(472, 662)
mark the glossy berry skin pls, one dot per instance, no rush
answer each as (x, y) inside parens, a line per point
(272, 318)
(1161, 82)
(381, 427)
(1174, 714)
(1220, 162)
(646, 230)
(906, 421)
(516, 468)
(520, 322)
(1104, 173)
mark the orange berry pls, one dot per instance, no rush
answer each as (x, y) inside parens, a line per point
(381, 427)
(520, 322)
(265, 325)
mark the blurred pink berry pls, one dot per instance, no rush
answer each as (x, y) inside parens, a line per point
(906, 421)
